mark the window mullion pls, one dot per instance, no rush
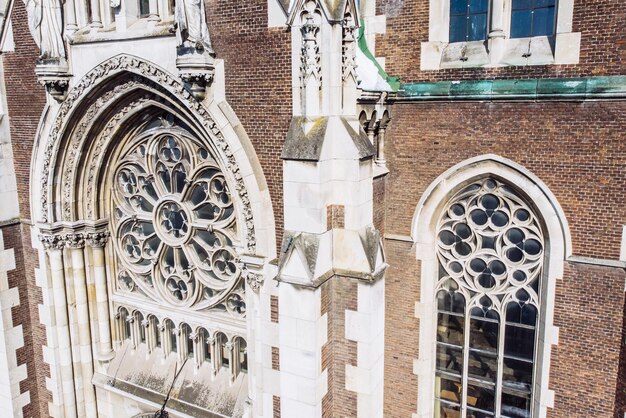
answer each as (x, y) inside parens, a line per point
(501, 338)
(466, 337)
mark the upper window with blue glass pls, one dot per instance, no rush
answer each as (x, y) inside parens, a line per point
(468, 20)
(533, 18)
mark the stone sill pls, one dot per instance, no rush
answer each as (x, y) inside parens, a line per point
(562, 48)
(590, 88)
(141, 28)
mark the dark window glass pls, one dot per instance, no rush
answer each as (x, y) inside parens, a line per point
(515, 405)
(533, 18)
(447, 409)
(453, 302)
(480, 398)
(484, 335)
(449, 359)
(519, 342)
(157, 334)
(144, 8)
(450, 329)
(449, 388)
(468, 20)
(482, 366)
(173, 341)
(517, 375)
(243, 355)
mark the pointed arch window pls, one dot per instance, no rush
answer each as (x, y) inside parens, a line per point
(490, 251)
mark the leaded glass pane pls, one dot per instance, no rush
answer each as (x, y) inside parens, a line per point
(533, 18)
(480, 399)
(449, 359)
(450, 329)
(490, 250)
(515, 405)
(468, 20)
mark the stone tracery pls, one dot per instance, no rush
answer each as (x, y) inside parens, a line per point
(490, 249)
(175, 223)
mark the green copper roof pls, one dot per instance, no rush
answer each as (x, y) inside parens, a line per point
(394, 82)
(550, 88)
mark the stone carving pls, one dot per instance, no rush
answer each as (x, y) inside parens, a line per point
(45, 22)
(349, 48)
(97, 239)
(254, 280)
(73, 240)
(175, 223)
(310, 54)
(167, 83)
(191, 25)
(52, 241)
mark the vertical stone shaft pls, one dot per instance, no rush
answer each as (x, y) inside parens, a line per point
(55, 257)
(97, 243)
(70, 16)
(96, 20)
(84, 333)
(154, 13)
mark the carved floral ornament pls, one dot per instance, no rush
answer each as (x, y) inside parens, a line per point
(175, 225)
(167, 83)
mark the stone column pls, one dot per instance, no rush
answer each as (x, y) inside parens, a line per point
(97, 242)
(54, 250)
(154, 13)
(496, 31)
(76, 244)
(215, 362)
(96, 20)
(70, 16)
(380, 146)
(231, 360)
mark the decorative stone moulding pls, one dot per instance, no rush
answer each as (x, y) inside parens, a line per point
(54, 76)
(338, 252)
(145, 74)
(196, 68)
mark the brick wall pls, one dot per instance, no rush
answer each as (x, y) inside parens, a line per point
(402, 290)
(338, 294)
(620, 402)
(588, 311)
(258, 83)
(602, 50)
(26, 100)
(578, 151)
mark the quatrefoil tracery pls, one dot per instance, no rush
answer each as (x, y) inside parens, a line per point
(175, 223)
(489, 245)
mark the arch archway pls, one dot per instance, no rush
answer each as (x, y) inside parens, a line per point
(424, 233)
(123, 111)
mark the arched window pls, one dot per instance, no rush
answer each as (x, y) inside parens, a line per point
(124, 321)
(490, 253)
(140, 328)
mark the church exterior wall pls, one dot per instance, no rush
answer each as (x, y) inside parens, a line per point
(574, 145)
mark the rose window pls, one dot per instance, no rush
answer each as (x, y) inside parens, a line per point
(490, 249)
(175, 225)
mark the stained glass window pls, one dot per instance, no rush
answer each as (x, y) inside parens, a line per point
(468, 20)
(533, 18)
(490, 251)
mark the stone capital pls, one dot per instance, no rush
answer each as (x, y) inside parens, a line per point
(52, 241)
(98, 239)
(74, 241)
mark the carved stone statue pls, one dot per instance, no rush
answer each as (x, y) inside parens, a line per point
(45, 21)
(191, 26)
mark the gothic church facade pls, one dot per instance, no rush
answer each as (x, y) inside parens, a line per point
(313, 208)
